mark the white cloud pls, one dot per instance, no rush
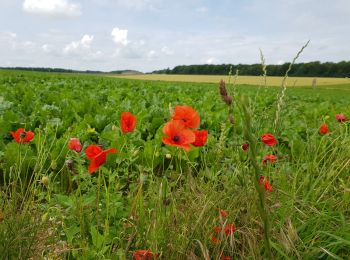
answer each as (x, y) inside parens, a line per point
(151, 54)
(52, 7)
(77, 47)
(212, 60)
(167, 51)
(120, 36)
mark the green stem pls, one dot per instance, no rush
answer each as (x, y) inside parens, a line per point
(256, 177)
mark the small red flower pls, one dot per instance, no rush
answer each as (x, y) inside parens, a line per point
(245, 146)
(269, 139)
(266, 184)
(324, 129)
(128, 122)
(178, 135)
(217, 229)
(144, 254)
(225, 257)
(22, 136)
(187, 115)
(97, 156)
(271, 158)
(340, 117)
(223, 213)
(214, 240)
(75, 145)
(229, 229)
(201, 137)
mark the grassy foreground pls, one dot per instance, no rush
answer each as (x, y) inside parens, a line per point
(156, 197)
(247, 80)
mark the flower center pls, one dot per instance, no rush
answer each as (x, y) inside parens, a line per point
(22, 135)
(176, 138)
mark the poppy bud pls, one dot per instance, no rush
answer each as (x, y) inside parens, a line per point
(168, 156)
(45, 181)
(245, 146)
(70, 165)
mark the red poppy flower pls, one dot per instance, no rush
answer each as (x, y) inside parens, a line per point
(245, 146)
(187, 115)
(340, 117)
(217, 229)
(22, 136)
(269, 139)
(178, 135)
(75, 145)
(223, 213)
(229, 229)
(144, 254)
(271, 158)
(97, 156)
(225, 257)
(266, 184)
(324, 129)
(128, 122)
(201, 137)
(214, 240)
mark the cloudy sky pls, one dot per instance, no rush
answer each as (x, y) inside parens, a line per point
(154, 34)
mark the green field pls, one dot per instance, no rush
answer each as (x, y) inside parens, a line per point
(157, 197)
(247, 80)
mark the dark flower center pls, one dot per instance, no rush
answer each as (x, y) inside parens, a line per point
(176, 138)
(22, 135)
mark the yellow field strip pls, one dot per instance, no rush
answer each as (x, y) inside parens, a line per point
(250, 80)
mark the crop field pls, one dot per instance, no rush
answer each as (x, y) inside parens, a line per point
(247, 80)
(96, 167)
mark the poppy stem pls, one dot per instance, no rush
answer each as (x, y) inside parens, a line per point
(98, 197)
(256, 177)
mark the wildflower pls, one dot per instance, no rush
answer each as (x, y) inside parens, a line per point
(128, 122)
(245, 146)
(268, 139)
(340, 117)
(75, 145)
(178, 135)
(225, 257)
(223, 213)
(214, 240)
(324, 129)
(229, 229)
(168, 156)
(187, 115)
(217, 229)
(272, 158)
(144, 254)
(201, 137)
(267, 186)
(97, 156)
(22, 136)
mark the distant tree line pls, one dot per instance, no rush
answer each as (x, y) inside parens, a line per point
(59, 70)
(309, 69)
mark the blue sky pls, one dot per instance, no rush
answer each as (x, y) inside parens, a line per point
(153, 34)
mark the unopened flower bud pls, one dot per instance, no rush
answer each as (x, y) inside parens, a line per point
(70, 165)
(168, 156)
(45, 181)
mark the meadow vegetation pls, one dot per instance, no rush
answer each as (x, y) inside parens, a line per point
(256, 188)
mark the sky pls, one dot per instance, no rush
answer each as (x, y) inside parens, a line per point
(148, 35)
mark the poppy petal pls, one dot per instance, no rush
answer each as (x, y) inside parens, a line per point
(92, 151)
